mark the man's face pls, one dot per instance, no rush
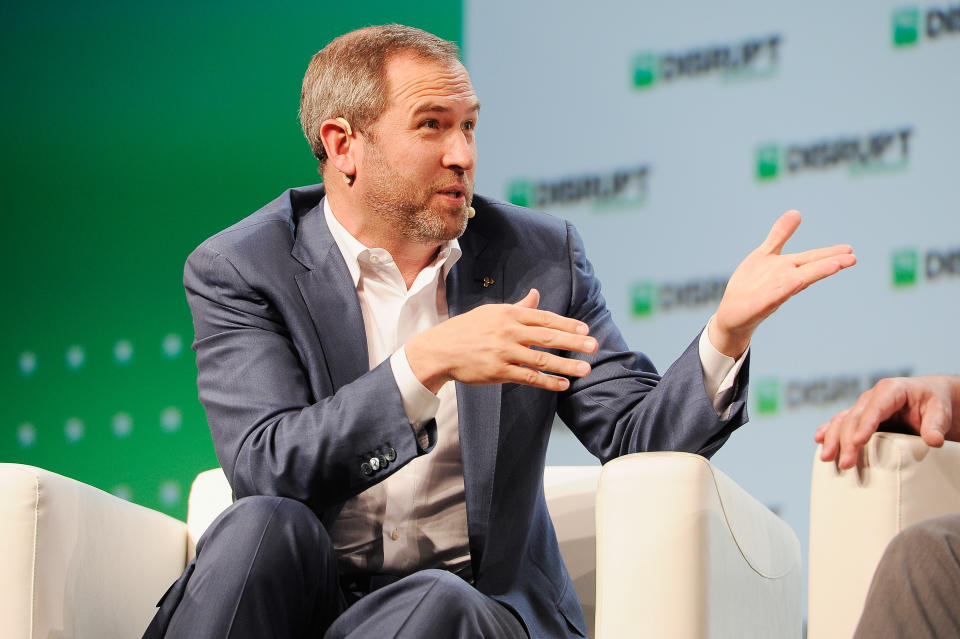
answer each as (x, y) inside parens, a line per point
(417, 168)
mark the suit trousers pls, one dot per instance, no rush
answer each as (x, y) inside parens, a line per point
(915, 591)
(267, 568)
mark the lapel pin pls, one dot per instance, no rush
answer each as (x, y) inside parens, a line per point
(487, 282)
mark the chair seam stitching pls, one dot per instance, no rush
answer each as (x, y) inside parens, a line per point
(899, 489)
(773, 576)
(36, 534)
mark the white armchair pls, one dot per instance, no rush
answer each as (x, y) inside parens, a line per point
(681, 552)
(898, 481)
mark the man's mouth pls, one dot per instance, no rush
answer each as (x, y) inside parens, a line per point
(455, 193)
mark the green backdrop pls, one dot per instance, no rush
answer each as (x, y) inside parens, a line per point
(131, 132)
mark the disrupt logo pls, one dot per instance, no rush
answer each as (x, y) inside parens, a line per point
(774, 395)
(648, 297)
(620, 188)
(883, 150)
(937, 264)
(907, 28)
(752, 57)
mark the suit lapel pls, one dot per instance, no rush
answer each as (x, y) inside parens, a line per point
(476, 279)
(331, 298)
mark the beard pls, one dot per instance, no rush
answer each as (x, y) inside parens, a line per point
(408, 209)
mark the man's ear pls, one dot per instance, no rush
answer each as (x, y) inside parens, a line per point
(338, 139)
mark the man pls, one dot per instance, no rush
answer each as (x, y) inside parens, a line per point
(914, 590)
(379, 405)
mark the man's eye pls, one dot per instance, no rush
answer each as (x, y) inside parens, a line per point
(430, 124)
(469, 125)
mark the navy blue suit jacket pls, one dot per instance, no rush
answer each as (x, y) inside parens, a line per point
(295, 411)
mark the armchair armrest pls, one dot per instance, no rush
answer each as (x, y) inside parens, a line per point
(684, 552)
(898, 481)
(79, 562)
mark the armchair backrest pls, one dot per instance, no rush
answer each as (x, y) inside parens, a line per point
(898, 481)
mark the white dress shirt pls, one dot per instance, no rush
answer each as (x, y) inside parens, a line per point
(417, 517)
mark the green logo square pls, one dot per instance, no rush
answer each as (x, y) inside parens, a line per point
(904, 265)
(643, 298)
(906, 26)
(645, 68)
(768, 395)
(522, 193)
(768, 162)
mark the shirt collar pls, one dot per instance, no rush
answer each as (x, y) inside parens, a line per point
(353, 250)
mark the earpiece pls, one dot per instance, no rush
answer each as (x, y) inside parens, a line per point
(346, 125)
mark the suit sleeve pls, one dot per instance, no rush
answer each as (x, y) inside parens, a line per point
(624, 406)
(271, 434)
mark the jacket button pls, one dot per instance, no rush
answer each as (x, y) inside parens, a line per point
(374, 463)
(365, 469)
(390, 454)
(383, 461)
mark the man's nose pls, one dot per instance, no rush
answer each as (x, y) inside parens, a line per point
(460, 152)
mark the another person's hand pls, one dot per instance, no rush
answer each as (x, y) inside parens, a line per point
(766, 279)
(491, 345)
(928, 405)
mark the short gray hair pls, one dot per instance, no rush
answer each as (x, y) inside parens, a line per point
(347, 77)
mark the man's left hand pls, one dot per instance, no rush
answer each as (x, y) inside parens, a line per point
(765, 280)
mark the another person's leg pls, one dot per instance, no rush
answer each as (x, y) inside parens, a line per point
(916, 589)
(430, 603)
(265, 568)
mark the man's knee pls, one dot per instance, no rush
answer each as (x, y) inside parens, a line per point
(460, 610)
(447, 586)
(930, 538)
(271, 529)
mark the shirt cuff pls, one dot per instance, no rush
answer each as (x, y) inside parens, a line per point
(719, 373)
(419, 404)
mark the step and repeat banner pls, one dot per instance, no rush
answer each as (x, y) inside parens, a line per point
(674, 134)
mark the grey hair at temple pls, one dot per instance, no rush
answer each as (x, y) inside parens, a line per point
(347, 77)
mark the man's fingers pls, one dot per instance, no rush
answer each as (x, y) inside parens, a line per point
(535, 378)
(781, 231)
(831, 436)
(531, 300)
(556, 339)
(819, 434)
(935, 424)
(816, 271)
(546, 319)
(813, 255)
(548, 362)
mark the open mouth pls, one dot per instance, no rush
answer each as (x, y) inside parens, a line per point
(456, 193)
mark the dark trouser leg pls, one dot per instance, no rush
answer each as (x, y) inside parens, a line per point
(265, 568)
(916, 590)
(430, 603)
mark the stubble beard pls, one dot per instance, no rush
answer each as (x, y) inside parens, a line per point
(406, 208)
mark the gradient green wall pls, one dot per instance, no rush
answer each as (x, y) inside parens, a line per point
(131, 132)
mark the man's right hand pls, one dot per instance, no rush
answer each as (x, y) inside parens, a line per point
(929, 405)
(491, 345)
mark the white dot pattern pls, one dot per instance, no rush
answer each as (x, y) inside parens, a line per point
(76, 356)
(171, 419)
(27, 363)
(172, 345)
(123, 351)
(122, 425)
(26, 435)
(170, 492)
(73, 429)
